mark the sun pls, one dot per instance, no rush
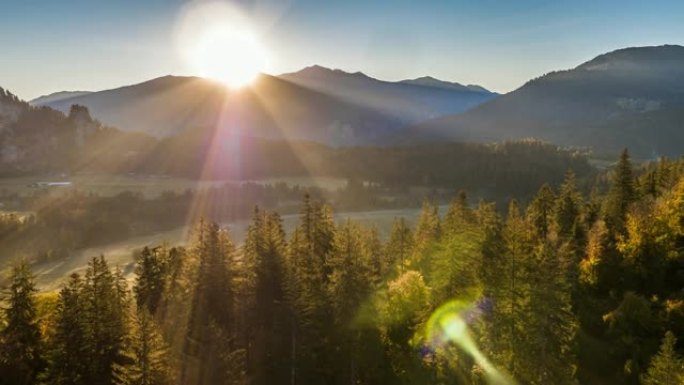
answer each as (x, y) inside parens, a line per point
(233, 56)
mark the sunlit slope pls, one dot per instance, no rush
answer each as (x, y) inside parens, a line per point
(627, 98)
(276, 107)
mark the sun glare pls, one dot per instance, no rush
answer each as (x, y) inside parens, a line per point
(233, 57)
(219, 43)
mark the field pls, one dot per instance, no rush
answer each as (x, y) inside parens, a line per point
(49, 276)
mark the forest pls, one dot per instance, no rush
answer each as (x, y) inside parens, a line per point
(52, 226)
(569, 288)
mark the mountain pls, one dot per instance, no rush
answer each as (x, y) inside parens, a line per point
(410, 100)
(56, 96)
(317, 104)
(11, 107)
(40, 140)
(271, 108)
(429, 81)
(632, 97)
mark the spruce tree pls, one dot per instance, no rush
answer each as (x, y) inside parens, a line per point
(309, 272)
(210, 339)
(458, 215)
(147, 354)
(150, 272)
(374, 255)
(264, 252)
(540, 210)
(21, 353)
(399, 246)
(666, 367)
(70, 357)
(401, 309)
(428, 231)
(549, 323)
(349, 285)
(105, 301)
(621, 195)
(507, 266)
(568, 208)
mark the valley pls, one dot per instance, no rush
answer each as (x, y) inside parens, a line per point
(50, 276)
(257, 192)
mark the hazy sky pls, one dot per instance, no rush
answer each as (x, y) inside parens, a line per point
(49, 45)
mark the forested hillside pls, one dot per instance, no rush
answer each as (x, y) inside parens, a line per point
(49, 225)
(40, 140)
(631, 97)
(43, 141)
(511, 167)
(570, 288)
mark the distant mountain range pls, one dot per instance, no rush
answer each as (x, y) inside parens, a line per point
(631, 98)
(429, 81)
(409, 100)
(56, 96)
(319, 104)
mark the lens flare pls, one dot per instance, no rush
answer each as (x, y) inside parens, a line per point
(448, 326)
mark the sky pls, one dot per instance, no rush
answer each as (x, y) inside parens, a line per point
(48, 46)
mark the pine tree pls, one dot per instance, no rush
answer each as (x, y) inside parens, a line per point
(264, 251)
(147, 354)
(308, 275)
(348, 286)
(404, 305)
(400, 246)
(70, 356)
(374, 255)
(248, 290)
(550, 325)
(621, 195)
(666, 367)
(210, 341)
(507, 266)
(21, 355)
(632, 327)
(458, 215)
(173, 312)
(540, 211)
(567, 210)
(349, 281)
(595, 269)
(150, 272)
(428, 231)
(455, 264)
(323, 235)
(105, 301)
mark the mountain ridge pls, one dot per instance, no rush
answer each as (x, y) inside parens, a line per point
(329, 106)
(56, 96)
(589, 105)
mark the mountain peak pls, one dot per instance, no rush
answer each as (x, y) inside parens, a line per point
(318, 71)
(636, 57)
(632, 97)
(429, 81)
